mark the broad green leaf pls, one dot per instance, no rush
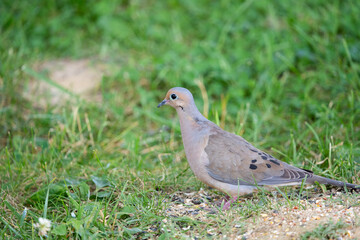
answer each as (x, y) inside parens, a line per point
(59, 230)
(100, 182)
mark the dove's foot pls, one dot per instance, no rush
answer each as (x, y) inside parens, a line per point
(226, 202)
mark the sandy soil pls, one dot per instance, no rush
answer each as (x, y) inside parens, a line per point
(81, 77)
(280, 220)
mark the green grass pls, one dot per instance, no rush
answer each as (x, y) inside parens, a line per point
(328, 230)
(285, 75)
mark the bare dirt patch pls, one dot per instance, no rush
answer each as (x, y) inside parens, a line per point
(63, 78)
(280, 220)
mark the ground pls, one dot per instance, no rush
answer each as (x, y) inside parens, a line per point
(279, 221)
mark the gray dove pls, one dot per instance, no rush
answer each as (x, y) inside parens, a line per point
(228, 162)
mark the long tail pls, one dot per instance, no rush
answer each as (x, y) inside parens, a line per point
(333, 182)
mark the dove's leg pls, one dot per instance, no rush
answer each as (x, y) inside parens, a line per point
(229, 202)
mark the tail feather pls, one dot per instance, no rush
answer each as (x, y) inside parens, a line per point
(333, 182)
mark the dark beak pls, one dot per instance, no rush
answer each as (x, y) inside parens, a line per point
(162, 103)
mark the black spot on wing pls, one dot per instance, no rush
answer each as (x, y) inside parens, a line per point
(268, 165)
(254, 161)
(264, 157)
(274, 162)
(253, 150)
(253, 166)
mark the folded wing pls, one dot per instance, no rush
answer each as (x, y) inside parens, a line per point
(235, 161)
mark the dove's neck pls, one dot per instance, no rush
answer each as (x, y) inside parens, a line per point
(193, 132)
(190, 121)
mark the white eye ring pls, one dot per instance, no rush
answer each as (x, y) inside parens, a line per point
(173, 96)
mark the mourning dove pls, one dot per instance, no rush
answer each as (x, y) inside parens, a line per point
(228, 162)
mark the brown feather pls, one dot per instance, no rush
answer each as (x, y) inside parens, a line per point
(233, 160)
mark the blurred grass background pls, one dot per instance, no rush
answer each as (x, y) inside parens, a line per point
(283, 74)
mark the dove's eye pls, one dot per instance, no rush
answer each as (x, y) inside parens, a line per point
(173, 96)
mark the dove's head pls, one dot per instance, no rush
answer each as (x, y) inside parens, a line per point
(178, 97)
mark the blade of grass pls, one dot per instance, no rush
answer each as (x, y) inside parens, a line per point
(46, 202)
(315, 135)
(11, 228)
